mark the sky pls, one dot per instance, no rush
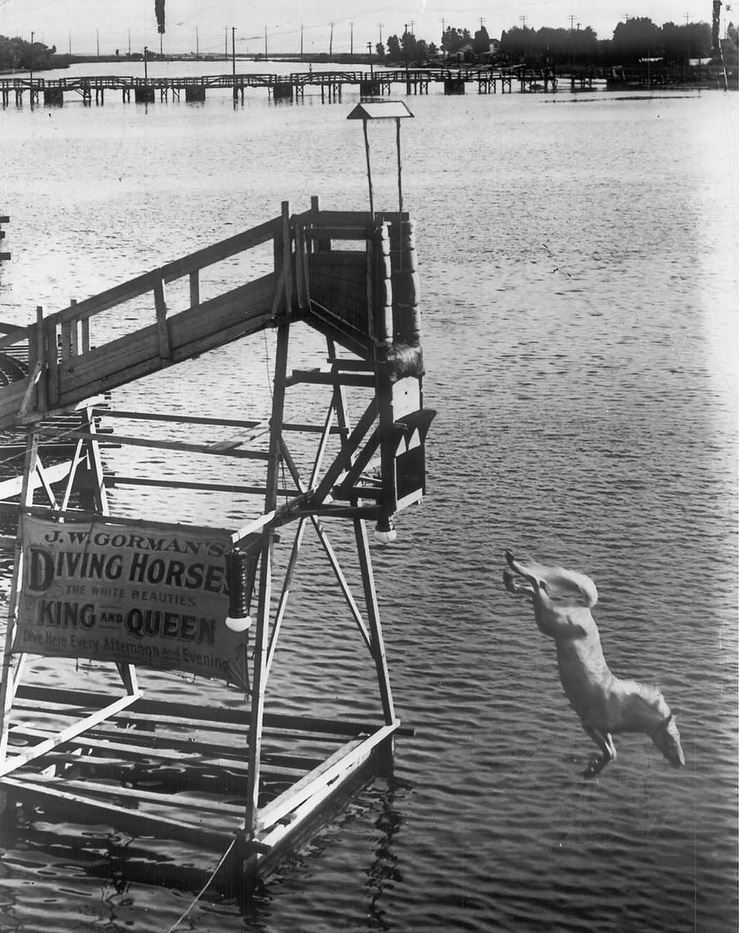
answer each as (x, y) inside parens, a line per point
(80, 25)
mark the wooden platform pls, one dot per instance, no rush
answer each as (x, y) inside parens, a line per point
(175, 771)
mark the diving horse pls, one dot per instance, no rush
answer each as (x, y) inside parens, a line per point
(606, 704)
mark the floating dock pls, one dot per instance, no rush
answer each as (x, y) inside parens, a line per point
(233, 781)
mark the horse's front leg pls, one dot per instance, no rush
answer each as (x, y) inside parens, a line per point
(604, 741)
(518, 589)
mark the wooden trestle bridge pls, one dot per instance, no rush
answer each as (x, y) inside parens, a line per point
(228, 777)
(329, 84)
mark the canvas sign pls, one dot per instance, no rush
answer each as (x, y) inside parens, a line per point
(153, 595)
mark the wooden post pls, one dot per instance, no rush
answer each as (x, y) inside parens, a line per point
(9, 681)
(195, 288)
(261, 635)
(368, 580)
(369, 170)
(160, 303)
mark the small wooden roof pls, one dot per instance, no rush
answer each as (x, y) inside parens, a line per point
(380, 110)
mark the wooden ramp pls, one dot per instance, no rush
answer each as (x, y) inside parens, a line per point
(89, 584)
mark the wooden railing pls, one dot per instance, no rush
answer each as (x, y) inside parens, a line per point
(347, 293)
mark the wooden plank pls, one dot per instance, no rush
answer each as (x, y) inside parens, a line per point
(352, 753)
(221, 320)
(209, 255)
(316, 377)
(202, 713)
(116, 480)
(133, 821)
(183, 799)
(180, 419)
(160, 304)
(154, 443)
(88, 307)
(66, 735)
(56, 473)
(124, 750)
(14, 335)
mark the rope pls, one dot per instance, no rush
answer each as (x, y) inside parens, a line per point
(204, 888)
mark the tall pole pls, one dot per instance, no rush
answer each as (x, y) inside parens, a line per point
(197, 43)
(407, 76)
(369, 49)
(30, 74)
(233, 52)
(351, 40)
(129, 43)
(146, 66)
(331, 42)
(97, 35)
(369, 169)
(265, 43)
(301, 40)
(261, 638)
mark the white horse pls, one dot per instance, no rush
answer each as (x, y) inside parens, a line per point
(606, 704)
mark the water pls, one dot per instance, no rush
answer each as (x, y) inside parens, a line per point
(579, 272)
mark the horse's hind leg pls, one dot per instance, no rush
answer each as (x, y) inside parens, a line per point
(604, 741)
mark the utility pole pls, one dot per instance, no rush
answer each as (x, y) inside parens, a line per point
(301, 40)
(405, 44)
(265, 43)
(129, 43)
(379, 26)
(97, 34)
(369, 50)
(233, 52)
(351, 40)
(30, 75)
(197, 43)
(331, 42)
(70, 42)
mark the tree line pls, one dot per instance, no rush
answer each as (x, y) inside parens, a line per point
(637, 37)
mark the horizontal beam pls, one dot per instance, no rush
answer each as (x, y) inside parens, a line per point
(115, 480)
(133, 821)
(181, 446)
(67, 735)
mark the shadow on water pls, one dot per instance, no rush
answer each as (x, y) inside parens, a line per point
(121, 873)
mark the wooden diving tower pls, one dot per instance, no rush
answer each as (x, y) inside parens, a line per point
(236, 777)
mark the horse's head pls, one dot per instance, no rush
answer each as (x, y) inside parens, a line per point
(667, 739)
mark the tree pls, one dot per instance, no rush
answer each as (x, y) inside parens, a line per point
(637, 38)
(393, 48)
(481, 42)
(453, 39)
(409, 46)
(380, 49)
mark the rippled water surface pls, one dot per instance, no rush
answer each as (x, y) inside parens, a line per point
(579, 270)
